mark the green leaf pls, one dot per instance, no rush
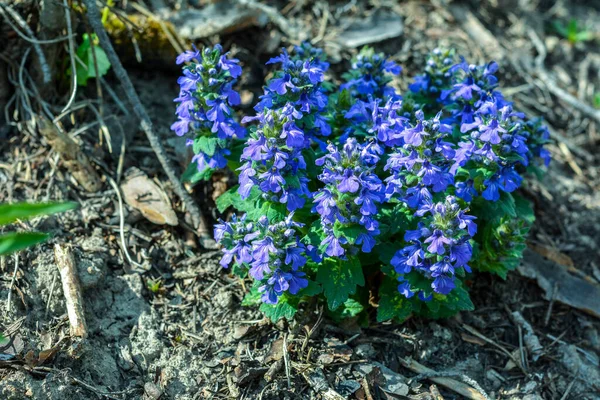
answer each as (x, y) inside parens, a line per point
(285, 308)
(311, 290)
(344, 101)
(351, 308)
(491, 211)
(350, 232)
(339, 279)
(252, 298)
(193, 175)
(206, 145)
(12, 242)
(84, 53)
(459, 299)
(233, 198)
(524, 209)
(10, 213)
(275, 212)
(392, 304)
(386, 251)
(506, 205)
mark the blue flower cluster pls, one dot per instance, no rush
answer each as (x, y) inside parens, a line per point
(495, 142)
(271, 252)
(299, 84)
(205, 100)
(273, 159)
(364, 169)
(347, 204)
(437, 248)
(369, 77)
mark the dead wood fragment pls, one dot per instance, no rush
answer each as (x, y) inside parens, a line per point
(274, 370)
(458, 387)
(317, 381)
(214, 19)
(531, 340)
(74, 159)
(71, 290)
(293, 33)
(576, 291)
(8, 13)
(377, 27)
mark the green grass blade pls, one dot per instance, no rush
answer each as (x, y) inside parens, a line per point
(12, 242)
(10, 213)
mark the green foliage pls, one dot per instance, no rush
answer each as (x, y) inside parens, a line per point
(85, 52)
(233, 198)
(339, 279)
(10, 213)
(392, 304)
(12, 242)
(154, 285)
(193, 175)
(501, 239)
(572, 32)
(286, 308)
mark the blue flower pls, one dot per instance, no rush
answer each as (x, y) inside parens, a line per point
(437, 242)
(205, 101)
(443, 284)
(492, 187)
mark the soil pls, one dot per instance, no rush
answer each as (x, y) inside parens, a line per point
(178, 330)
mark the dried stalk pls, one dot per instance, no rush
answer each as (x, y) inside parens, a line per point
(71, 290)
(75, 160)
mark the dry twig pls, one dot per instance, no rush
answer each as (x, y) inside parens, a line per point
(12, 282)
(28, 36)
(531, 340)
(71, 290)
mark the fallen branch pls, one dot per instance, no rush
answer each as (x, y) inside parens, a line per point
(140, 111)
(473, 392)
(71, 290)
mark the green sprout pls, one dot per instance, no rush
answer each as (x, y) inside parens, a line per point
(89, 56)
(10, 213)
(572, 32)
(154, 285)
(597, 100)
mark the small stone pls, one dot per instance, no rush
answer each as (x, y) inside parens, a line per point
(152, 391)
(365, 350)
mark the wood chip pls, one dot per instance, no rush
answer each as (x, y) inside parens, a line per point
(379, 26)
(143, 194)
(214, 19)
(575, 291)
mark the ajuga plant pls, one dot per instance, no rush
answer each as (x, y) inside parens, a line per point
(357, 195)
